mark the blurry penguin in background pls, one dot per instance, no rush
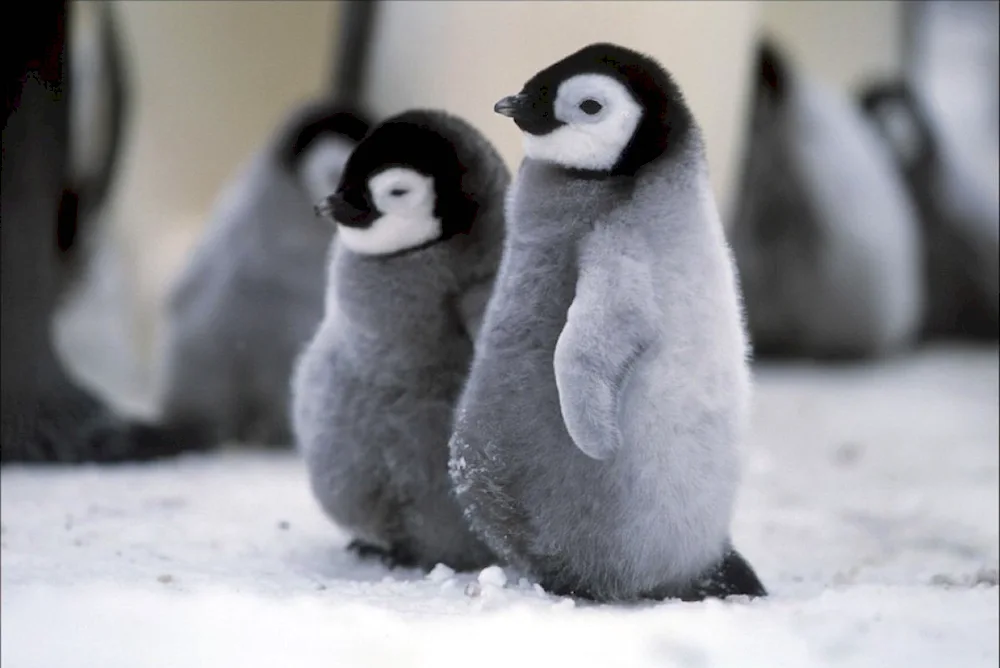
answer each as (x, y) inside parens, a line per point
(66, 108)
(960, 302)
(826, 239)
(252, 292)
(99, 109)
(952, 69)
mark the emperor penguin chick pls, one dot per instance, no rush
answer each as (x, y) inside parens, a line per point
(252, 292)
(596, 441)
(826, 239)
(419, 213)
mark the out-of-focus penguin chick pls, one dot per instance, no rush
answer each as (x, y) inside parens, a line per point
(419, 214)
(596, 442)
(961, 253)
(953, 68)
(826, 239)
(252, 292)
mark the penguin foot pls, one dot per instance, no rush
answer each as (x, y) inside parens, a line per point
(392, 558)
(733, 576)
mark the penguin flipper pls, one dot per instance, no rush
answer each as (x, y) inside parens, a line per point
(603, 339)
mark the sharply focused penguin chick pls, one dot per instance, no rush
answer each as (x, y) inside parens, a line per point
(960, 254)
(596, 442)
(826, 239)
(419, 214)
(252, 293)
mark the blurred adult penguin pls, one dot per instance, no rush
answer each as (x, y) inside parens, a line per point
(252, 293)
(826, 239)
(100, 107)
(53, 182)
(961, 258)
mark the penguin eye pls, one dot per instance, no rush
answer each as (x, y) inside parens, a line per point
(398, 192)
(590, 107)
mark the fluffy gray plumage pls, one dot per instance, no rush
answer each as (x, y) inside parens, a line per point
(596, 442)
(252, 292)
(826, 239)
(375, 389)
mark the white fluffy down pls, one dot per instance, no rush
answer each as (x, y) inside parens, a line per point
(405, 198)
(588, 141)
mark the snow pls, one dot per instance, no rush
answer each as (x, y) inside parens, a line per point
(869, 507)
(441, 573)
(492, 576)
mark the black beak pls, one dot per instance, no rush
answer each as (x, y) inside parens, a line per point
(510, 106)
(343, 212)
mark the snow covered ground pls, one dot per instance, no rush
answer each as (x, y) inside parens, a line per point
(870, 508)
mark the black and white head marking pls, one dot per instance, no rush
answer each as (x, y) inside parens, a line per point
(315, 145)
(402, 189)
(900, 118)
(603, 109)
(321, 163)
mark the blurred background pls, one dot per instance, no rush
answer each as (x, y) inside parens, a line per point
(209, 82)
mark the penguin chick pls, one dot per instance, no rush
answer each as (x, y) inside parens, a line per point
(826, 240)
(419, 213)
(252, 292)
(595, 443)
(957, 245)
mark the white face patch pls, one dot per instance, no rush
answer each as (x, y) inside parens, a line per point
(321, 166)
(601, 116)
(405, 199)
